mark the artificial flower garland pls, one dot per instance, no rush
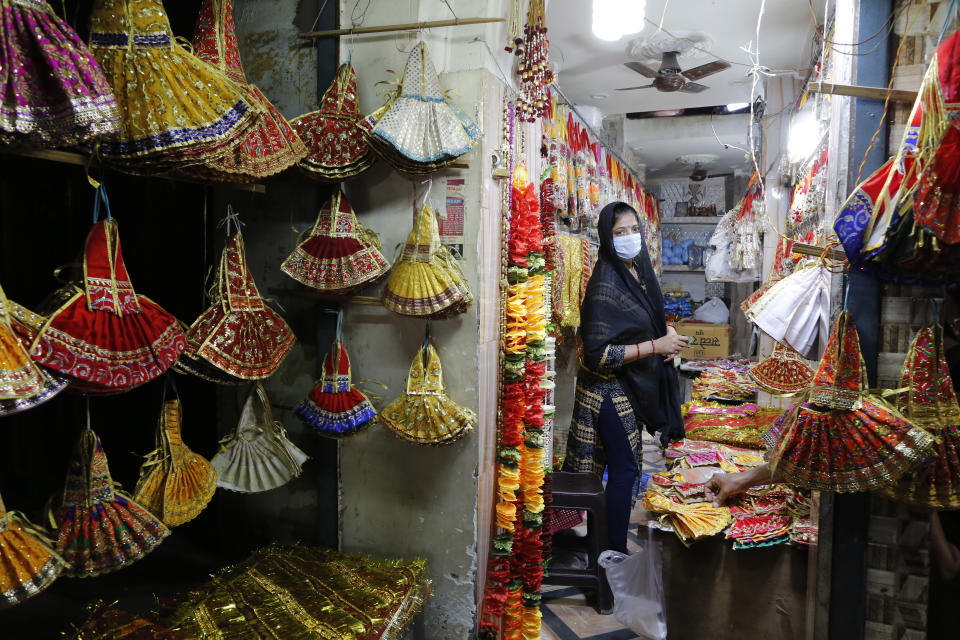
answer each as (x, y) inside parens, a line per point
(515, 574)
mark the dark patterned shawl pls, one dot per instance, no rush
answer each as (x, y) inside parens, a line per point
(618, 309)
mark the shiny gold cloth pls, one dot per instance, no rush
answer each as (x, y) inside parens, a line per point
(425, 414)
(107, 622)
(690, 522)
(175, 483)
(292, 592)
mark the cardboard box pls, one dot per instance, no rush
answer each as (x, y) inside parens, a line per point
(706, 340)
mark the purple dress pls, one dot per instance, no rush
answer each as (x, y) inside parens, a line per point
(53, 92)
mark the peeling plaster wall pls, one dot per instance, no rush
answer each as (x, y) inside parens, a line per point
(399, 498)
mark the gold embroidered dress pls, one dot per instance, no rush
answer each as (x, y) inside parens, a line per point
(100, 529)
(427, 280)
(336, 148)
(175, 483)
(175, 109)
(425, 414)
(270, 145)
(28, 563)
(18, 328)
(928, 400)
(340, 255)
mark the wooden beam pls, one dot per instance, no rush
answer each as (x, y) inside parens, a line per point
(83, 160)
(410, 26)
(875, 93)
(814, 250)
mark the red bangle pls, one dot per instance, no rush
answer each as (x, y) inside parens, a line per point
(653, 347)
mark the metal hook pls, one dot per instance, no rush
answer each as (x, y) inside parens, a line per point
(426, 339)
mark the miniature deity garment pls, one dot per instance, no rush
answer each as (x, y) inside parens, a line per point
(928, 400)
(795, 311)
(783, 372)
(845, 440)
(175, 483)
(257, 456)
(336, 148)
(23, 326)
(425, 414)
(106, 337)
(20, 377)
(175, 109)
(54, 93)
(340, 254)
(335, 408)
(426, 280)
(28, 563)
(239, 334)
(101, 529)
(270, 145)
(419, 129)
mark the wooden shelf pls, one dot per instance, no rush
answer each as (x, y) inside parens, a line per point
(83, 160)
(682, 268)
(711, 220)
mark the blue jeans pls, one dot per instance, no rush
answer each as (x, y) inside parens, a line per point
(622, 471)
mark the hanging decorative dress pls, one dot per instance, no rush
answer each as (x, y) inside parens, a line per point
(427, 280)
(783, 372)
(239, 334)
(425, 414)
(175, 109)
(100, 528)
(56, 94)
(848, 441)
(28, 563)
(22, 326)
(270, 145)
(795, 311)
(419, 129)
(899, 224)
(106, 337)
(335, 408)
(20, 378)
(335, 144)
(257, 456)
(340, 255)
(175, 483)
(929, 401)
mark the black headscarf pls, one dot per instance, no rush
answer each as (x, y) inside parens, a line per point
(620, 310)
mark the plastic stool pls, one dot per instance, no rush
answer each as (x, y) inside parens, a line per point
(584, 492)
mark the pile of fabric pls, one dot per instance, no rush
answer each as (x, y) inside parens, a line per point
(739, 425)
(724, 379)
(761, 517)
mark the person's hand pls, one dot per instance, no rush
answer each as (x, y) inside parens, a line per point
(723, 486)
(670, 345)
(671, 330)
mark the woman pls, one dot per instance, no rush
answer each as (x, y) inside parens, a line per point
(624, 382)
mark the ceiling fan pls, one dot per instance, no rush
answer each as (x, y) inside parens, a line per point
(670, 77)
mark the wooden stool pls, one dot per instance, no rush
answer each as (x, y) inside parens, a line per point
(584, 492)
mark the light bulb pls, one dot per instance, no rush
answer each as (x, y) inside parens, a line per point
(612, 19)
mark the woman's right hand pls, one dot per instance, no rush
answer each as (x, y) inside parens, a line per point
(670, 345)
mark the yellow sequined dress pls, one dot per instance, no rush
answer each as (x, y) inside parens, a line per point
(20, 378)
(176, 110)
(425, 414)
(28, 564)
(175, 483)
(426, 280)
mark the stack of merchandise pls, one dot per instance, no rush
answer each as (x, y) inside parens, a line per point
(335, 144)
(419, 130)
(725, 379)
(677, 305)
(761, 517)
(740, 425)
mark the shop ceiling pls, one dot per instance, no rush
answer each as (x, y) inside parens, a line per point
(590, 71)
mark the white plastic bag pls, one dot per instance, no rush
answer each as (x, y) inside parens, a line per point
(637, 586)
(712, 311)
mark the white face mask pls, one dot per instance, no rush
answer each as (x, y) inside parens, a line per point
(627, 247)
